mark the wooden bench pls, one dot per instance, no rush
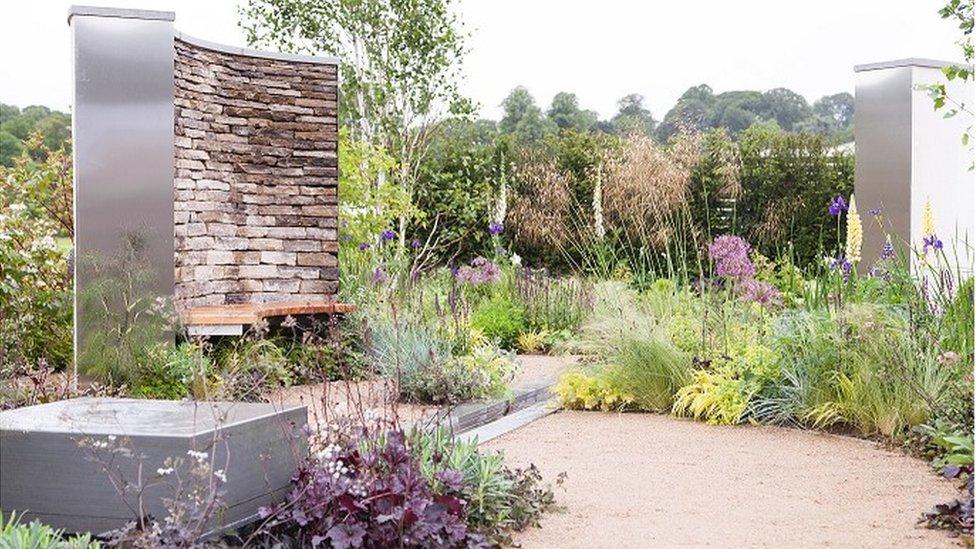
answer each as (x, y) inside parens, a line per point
(218, 320)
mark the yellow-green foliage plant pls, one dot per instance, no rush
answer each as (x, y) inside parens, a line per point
(532, 341)
(581, 391)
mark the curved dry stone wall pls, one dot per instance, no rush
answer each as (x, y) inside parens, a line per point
(256, 178)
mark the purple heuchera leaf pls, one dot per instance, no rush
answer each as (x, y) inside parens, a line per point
(344, 536)
(451, 478)
(382, 499)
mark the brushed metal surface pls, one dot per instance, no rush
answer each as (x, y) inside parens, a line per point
(883, 155)
(123, 150)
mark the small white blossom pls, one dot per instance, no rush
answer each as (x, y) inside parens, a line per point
(163, 471)
(516, 260)
(219, 473)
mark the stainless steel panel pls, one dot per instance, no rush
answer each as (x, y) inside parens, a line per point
(123, 164)
(883, 155)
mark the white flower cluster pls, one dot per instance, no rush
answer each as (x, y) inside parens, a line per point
(336, 468)
(221, 475)
(329, 452)
(201, 457)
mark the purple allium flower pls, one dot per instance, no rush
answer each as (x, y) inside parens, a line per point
(415, 243)
(837, 206)
(364, 246)
(762, 293)
(731, 257)
(495, 228)
(387, 235)
(931, 241)
(480, 271)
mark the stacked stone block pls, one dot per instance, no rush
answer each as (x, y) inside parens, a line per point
(256, 178)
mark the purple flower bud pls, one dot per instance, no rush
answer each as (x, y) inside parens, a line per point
(495, 228)
(364, 246)
(415, 243)
(388, 235)
(887, 251)
(876, 211)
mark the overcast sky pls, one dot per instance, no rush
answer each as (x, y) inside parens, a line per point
(601, 50)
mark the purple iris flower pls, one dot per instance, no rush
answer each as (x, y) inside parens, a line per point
(364, 246)
(388, 235)
(495, 228)
(931, 241)
(837, 206)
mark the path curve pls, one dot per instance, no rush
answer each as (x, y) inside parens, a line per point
(646, 480)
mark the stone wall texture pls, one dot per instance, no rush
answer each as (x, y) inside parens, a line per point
(256, 178)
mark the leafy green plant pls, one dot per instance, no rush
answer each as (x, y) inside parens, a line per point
(500, 500)
(500, 319)
(36, 227)
(581, 391)
(34, 535)
(180, 371)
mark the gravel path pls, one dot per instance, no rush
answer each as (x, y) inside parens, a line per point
(644, 480)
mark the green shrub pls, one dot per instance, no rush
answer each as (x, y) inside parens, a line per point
(581, 391)
(14, 534)
(500, 319)
(180, 371)
(249, 366)
(426, 369)
(35, 238)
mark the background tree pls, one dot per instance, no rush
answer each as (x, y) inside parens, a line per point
(400, 63)
(17, 125)
(689, 113)
(565, 113)
(786, 107)
(523, 118)
(632, 116)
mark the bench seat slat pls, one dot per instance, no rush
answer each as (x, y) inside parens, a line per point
(251, 313)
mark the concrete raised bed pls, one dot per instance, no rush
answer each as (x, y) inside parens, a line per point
(47, 473)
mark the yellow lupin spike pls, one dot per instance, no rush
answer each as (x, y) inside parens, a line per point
(855, 234)
(928, 219)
